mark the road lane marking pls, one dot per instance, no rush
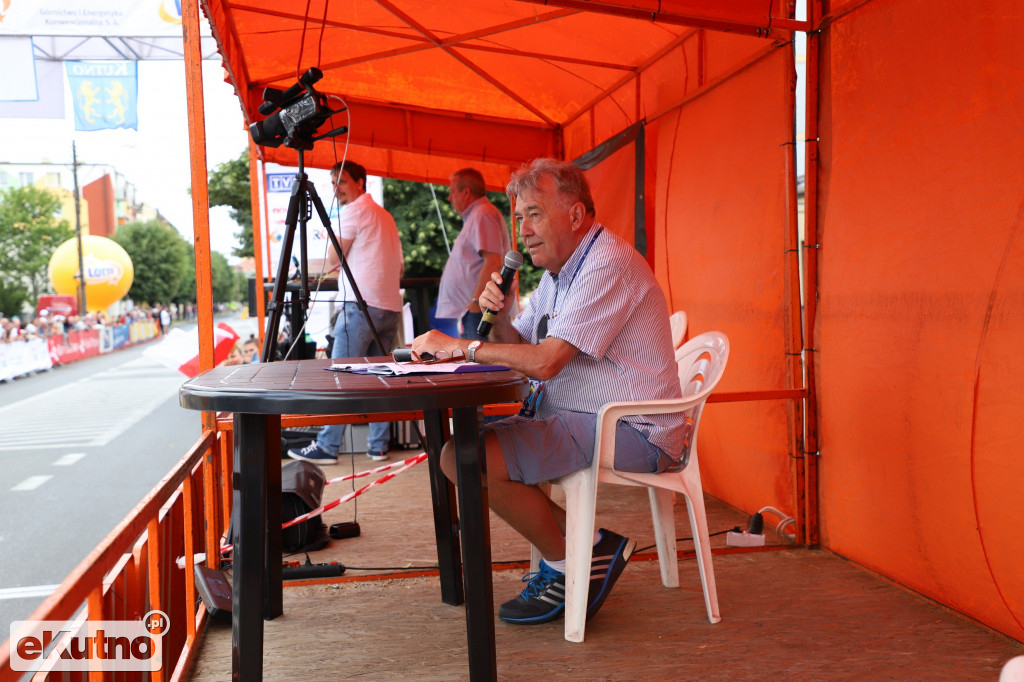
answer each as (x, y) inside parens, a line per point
(33, 591)
(69, 459)
(90, 412)
(31, 483)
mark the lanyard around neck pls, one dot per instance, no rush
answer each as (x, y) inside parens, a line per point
(554, 306)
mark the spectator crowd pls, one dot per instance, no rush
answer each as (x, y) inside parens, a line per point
(46, 325)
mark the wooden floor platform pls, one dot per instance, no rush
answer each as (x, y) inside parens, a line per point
(787, 613)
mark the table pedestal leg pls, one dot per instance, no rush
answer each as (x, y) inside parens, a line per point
(476, 544)
(446, 521)
(248, 516)
(273, 584)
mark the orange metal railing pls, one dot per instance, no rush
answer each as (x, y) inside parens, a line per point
(134, 569)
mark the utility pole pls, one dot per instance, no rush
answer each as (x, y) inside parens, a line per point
(78, 231)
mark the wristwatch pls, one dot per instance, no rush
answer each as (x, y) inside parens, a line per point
(472, 350)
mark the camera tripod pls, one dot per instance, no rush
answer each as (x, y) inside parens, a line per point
(300, 210)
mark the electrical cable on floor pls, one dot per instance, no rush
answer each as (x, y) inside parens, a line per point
(780, 528)
(710, 535)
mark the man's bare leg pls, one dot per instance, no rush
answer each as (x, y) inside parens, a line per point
(524, 507)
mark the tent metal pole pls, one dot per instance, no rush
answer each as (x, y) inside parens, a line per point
(811, 249)
(200, 190)
(257, 239)
(794, 337)
(266, 221)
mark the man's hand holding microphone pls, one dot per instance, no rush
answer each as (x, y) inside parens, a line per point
(492, 301)
(492, 298)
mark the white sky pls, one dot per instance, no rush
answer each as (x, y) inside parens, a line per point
(155, 158)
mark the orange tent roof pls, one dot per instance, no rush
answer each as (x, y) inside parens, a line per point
(494, 82)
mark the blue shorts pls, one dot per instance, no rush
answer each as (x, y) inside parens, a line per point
(538, 450)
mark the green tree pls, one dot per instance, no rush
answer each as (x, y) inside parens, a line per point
(225, 289)
(160, 256)
(225, 280)
(29, 233)
(186, 292)
(12, 298)
(229, 186)
(413, 206)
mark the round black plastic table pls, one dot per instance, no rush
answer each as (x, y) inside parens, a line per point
(258, 394)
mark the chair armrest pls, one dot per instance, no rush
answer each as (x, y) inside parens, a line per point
(616, 411)
(610, 413)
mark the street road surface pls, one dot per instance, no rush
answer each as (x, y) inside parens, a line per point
(80, 446)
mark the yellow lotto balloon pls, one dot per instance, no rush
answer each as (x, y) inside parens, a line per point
(108, 270)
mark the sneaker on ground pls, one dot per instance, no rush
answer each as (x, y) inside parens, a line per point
(543, 599)
(377, 456)
(313, 453)
(610, 556)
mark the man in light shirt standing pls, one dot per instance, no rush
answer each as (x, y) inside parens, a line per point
(478, 251)
(373, 251)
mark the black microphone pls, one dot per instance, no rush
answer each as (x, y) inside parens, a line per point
(513, 261)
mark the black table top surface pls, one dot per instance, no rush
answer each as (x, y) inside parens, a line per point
(308, 387)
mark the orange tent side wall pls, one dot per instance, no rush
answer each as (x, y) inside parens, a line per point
(921, 318)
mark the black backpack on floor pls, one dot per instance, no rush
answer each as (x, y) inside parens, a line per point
(302, 488)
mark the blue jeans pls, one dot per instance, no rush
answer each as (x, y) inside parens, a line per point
(353, 338)
(470, 321)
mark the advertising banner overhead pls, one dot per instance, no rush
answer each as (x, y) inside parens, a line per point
(97, 17)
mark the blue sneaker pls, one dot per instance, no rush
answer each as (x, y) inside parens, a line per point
(610, 556)
(377, 455)
(543, 599)
(313, 453)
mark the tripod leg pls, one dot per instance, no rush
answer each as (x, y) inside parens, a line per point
(280, 282)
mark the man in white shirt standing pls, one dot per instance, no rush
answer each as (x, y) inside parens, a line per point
(371, 247)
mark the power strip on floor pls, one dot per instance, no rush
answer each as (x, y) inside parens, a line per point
(745, 539)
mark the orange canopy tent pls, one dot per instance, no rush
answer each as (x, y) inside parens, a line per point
(877, 400)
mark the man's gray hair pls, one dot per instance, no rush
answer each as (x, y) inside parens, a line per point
(570, 182)
(471, 179)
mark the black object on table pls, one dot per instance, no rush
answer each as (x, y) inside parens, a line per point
(258, 394)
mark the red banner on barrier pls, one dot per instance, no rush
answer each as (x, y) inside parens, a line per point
(74, 346)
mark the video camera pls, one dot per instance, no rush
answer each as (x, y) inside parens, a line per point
(294, 115)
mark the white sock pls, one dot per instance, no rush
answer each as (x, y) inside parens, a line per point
(560, 565)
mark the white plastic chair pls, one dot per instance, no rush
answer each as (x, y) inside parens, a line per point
(701, 362)
(677, 321)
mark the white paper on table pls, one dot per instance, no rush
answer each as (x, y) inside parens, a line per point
(397, 368)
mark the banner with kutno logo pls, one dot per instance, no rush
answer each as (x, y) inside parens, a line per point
(105, 94)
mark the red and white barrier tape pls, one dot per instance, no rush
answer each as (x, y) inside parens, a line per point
(384, 467)
(407, 464)
(412, 461)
